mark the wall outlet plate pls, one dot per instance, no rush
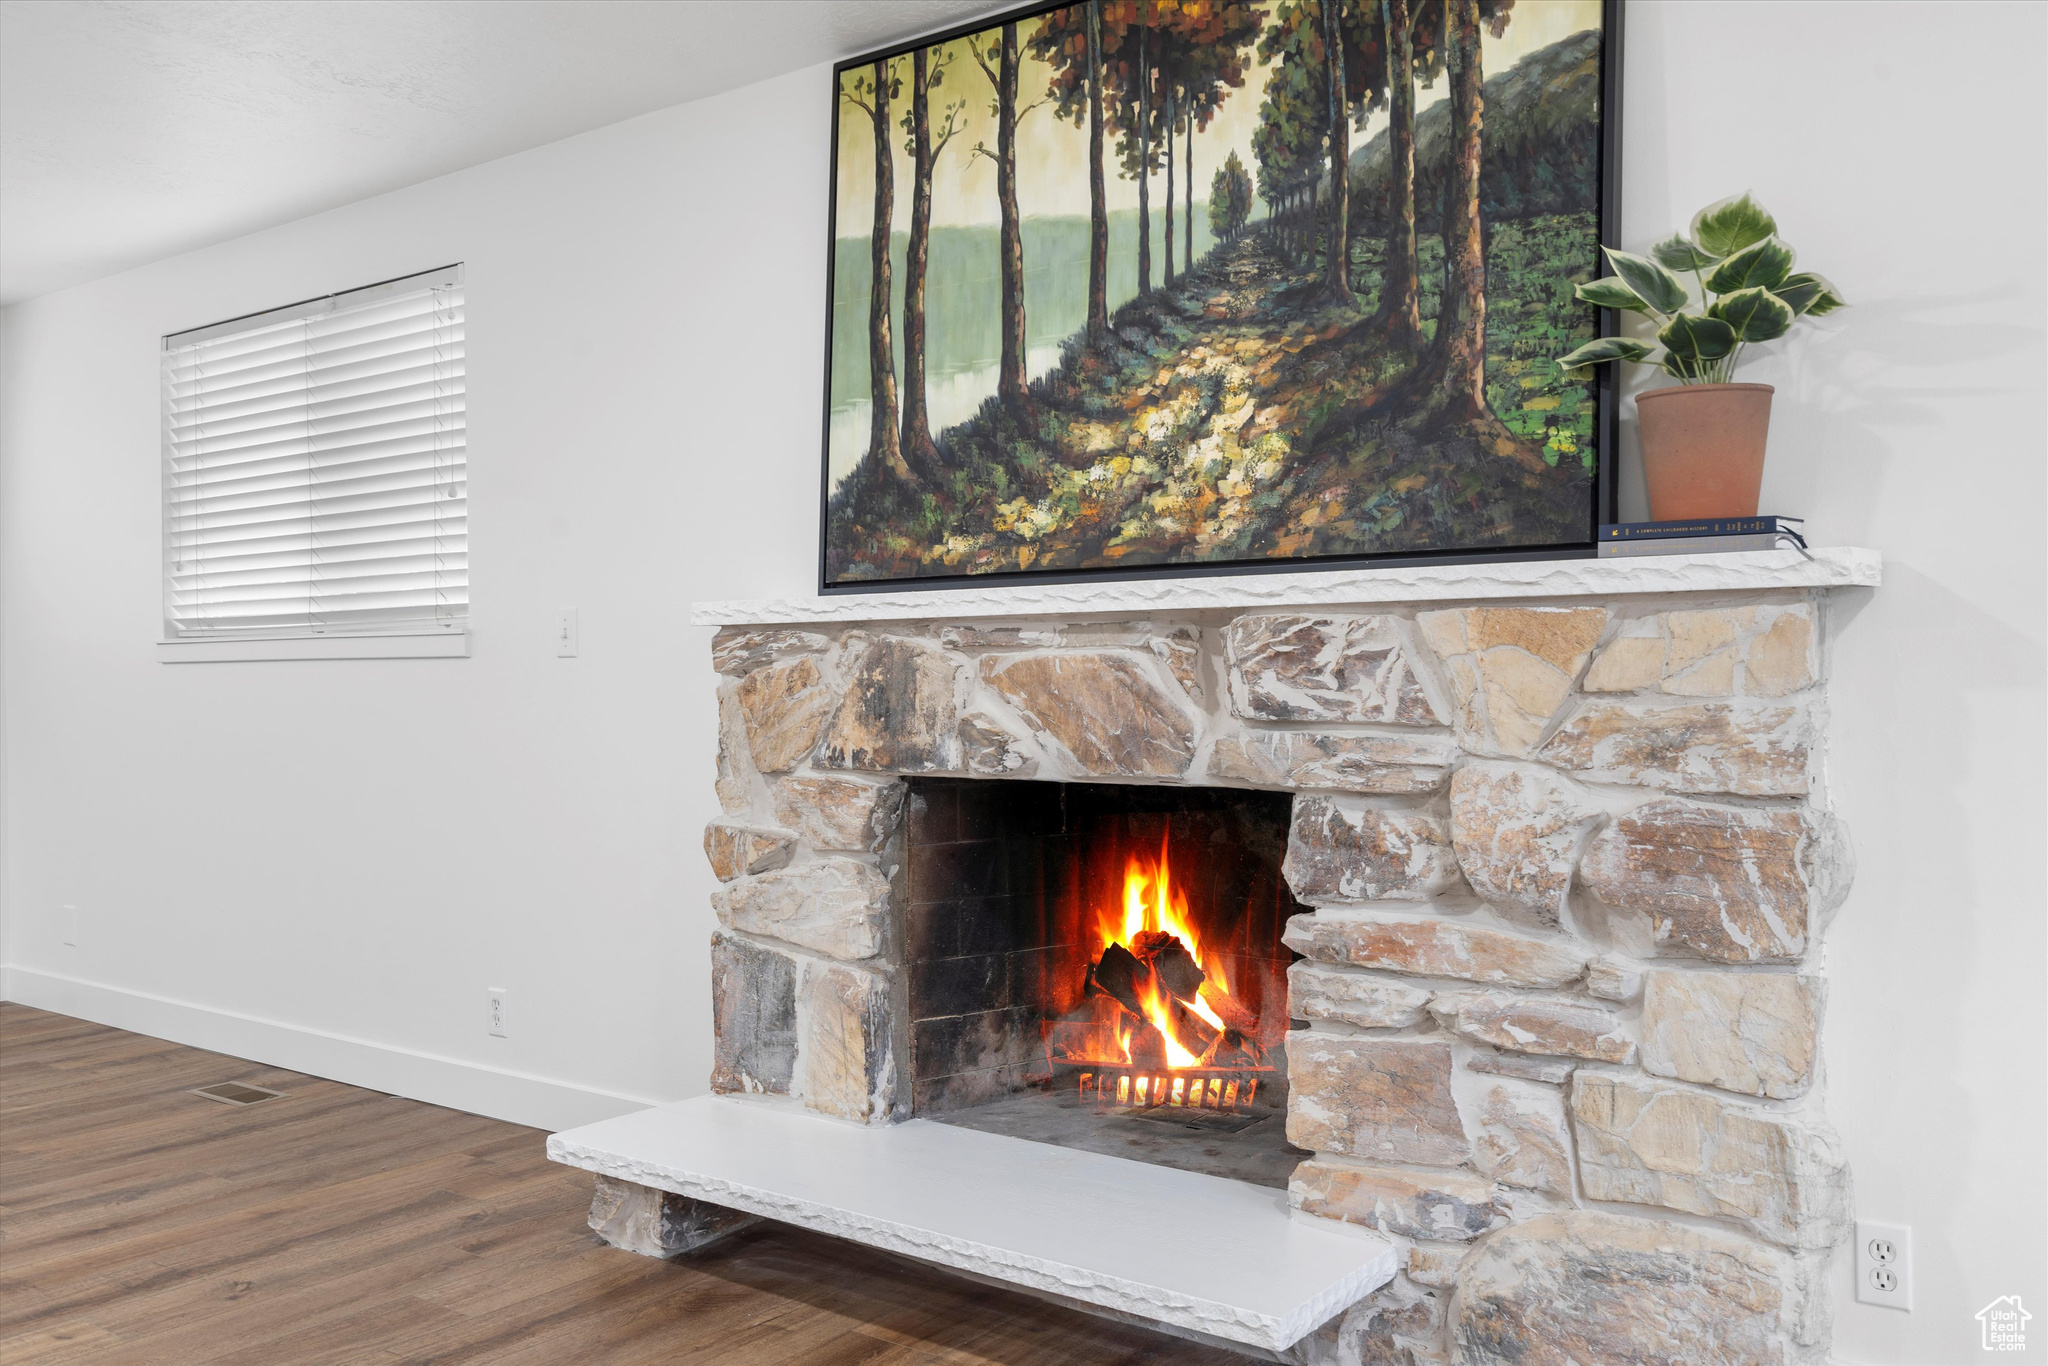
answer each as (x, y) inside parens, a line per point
(1884, 1264)
(70, 925)
(498, 1020)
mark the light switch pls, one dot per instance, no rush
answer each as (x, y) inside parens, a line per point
(566, 634)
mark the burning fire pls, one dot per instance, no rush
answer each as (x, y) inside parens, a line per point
(1153, 905)
(1157, 1023)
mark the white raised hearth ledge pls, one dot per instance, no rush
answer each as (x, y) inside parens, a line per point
(1212, 1257)
(1741, 572)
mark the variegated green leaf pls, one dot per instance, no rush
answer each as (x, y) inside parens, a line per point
(1612, 293)
(1579, 364)
(1810, 295)
(1696, 342)
(1679, 254)
(1757, 315)
(1763, 265)
(1653, 284)
(1729, 226)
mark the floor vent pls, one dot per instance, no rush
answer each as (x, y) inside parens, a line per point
(235, 1093)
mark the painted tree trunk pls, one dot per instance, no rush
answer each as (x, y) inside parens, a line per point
(1144, 164)
(1399, 295)
(1098, 195)
(882, 442)
(1461, 331)
(1010, 379)
(1337, 252)
(1188, 190)
(918, 448)
(1170, 116)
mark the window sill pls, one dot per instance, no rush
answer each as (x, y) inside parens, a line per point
(441, 645)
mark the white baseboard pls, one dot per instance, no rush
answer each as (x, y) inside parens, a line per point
(512, 1096)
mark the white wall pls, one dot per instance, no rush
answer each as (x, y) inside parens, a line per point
(360, 848)
(644, 369)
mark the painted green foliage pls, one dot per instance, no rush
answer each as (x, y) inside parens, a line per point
(1248, 400)
(1230, 198)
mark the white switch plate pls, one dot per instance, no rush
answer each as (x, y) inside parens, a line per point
(566, 634)
(1884, 1264)
(71, 926)
(499, 1020)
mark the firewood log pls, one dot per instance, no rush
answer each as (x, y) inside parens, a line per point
(1082, 1041)
(1170, 960)
(1117, 974)
(1231, 1012)
(1192, 1032)
(1148, 1050)
(1235, 1050)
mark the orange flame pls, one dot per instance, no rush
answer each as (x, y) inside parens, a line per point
(1152, 902)
(1123, 1035)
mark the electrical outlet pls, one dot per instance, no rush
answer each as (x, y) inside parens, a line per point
(1884, 1264)
(499, 1021)
(71, 926)
(566, 634)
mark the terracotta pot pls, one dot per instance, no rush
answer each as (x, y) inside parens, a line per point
(1703, 448)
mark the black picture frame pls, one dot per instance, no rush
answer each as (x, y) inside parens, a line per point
(1607, 419)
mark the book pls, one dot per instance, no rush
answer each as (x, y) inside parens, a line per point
(1699, 545)
(1711, 526)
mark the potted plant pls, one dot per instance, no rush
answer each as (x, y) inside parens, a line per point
(1703, 438)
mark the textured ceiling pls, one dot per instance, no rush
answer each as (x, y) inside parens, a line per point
(134, 131)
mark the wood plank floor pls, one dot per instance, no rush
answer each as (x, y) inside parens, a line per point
(139, 1223)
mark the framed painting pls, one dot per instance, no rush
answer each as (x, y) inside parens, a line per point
(1150, 287)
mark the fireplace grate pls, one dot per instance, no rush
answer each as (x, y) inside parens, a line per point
(237, 1093)
(1192, 1090)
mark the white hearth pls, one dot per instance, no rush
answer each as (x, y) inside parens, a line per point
(1213, 1259)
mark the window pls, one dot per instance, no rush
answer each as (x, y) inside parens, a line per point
(314, 468)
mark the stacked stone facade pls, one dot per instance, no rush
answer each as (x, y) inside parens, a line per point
(1559, 998)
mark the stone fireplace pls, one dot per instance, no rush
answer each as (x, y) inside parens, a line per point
(1501, 895)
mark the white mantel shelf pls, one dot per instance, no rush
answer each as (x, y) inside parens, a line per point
(1214, 1258)
(1741, 572)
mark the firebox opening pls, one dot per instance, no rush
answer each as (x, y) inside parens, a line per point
(1100, 966)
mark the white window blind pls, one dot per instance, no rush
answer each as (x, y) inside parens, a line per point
(314, 467)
